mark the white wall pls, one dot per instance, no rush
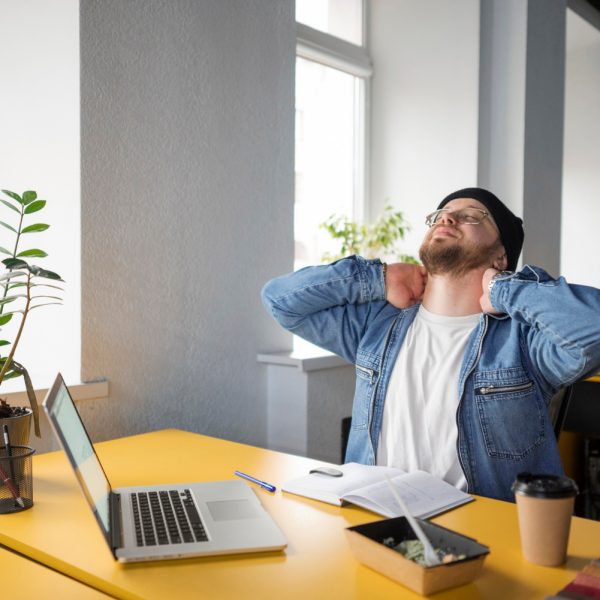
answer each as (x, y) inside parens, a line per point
(581, 178)
(424, 105)
(39, 150)
(187, 206)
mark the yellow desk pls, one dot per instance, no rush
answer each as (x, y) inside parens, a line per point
(23, 579)
(317, 562)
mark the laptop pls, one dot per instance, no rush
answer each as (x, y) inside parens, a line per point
(161, 521)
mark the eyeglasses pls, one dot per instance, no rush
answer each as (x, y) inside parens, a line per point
(464, 216)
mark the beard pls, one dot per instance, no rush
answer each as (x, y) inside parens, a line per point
(457, 259)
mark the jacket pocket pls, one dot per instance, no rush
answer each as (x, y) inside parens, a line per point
(367, 375)
(510, 415)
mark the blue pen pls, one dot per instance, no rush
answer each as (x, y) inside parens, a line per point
(263, 484)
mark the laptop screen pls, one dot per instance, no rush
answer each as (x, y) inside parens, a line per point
(79, 449)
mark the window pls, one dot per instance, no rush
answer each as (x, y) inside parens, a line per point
(332, 76)
(328, 154)
(340, 18)
(40, 151)
(331, 126)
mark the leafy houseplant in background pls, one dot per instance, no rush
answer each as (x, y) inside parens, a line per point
(23, 287)
(377, 240)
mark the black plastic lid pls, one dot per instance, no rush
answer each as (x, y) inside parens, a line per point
(544, 486)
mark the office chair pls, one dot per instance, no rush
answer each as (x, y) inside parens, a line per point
(558, 407)
(345, 434)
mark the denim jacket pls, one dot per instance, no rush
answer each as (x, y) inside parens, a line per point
(547, 337)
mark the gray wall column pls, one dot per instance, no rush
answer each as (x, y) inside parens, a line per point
(187, 182)
(522, 79)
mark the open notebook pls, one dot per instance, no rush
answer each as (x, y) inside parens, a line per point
(366, 486)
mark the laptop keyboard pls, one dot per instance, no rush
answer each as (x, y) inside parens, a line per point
(166, 517)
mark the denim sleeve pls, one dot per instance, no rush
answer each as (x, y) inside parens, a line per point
(562, 323)
(329, 305)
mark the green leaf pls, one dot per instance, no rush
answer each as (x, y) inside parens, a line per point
(7, 203)
(34, 285)
(8, 226)
(29, 197)
(47, 274)
(11, 375)
(5, 251)
(9, 299)
(35, 227)
(34, 206)
(15, 263)
(12, 274)
(45, 304)
(43, 296)
(5, 343)
(13, 196)
(4, 319)
(34, 252)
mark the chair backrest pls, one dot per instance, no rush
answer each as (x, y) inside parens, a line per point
(557, 409)
(345, 434)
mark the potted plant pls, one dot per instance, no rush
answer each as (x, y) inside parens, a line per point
(23, 287)
(376, 240)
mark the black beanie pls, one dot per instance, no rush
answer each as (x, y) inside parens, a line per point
(509, 225)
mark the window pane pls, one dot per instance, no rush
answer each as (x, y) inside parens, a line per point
(40, 151)
(327, 106)
(341, 18)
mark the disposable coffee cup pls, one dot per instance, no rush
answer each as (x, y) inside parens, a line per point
(545, 506)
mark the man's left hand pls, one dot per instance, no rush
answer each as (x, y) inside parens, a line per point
(484, 301)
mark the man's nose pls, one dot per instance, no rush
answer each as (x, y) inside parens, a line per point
(447, 218)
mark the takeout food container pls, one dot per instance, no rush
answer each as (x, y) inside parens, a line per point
(366, 542)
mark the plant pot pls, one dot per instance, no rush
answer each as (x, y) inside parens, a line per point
(19, 427)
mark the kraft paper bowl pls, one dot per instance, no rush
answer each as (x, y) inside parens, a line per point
(366, 543)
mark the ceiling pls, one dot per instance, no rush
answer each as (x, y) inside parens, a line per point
(595, 4)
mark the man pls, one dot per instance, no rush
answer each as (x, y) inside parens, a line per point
(456, 360)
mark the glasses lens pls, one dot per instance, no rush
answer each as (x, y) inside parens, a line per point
(432, 218)
(472, 216)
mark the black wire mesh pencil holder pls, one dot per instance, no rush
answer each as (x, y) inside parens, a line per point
(16, 480)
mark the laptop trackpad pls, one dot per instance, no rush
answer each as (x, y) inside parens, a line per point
(229, 510)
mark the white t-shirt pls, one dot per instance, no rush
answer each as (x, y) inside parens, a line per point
(419, 428)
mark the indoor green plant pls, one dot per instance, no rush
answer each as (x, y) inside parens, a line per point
(376, 240)
(23, 288)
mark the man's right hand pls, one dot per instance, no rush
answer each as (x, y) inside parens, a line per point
(404, 284)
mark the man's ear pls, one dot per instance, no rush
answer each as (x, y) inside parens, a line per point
(501, 262)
